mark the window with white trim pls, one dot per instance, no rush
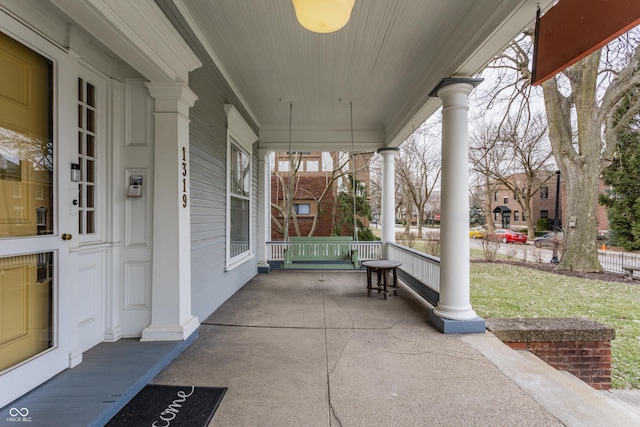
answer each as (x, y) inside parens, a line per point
(240, 139)
(239, 200)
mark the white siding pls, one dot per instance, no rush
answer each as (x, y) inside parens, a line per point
(211, 285)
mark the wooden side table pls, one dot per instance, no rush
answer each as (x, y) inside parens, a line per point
(381, 268)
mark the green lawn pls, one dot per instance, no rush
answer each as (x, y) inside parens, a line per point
(502, 290)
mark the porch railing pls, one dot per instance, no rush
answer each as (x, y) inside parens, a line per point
(275, 250)
(366, 250)
(419, 270)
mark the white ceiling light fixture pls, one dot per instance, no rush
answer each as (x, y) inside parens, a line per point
(323, 16)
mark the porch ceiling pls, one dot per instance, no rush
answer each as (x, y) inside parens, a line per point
(386, 60)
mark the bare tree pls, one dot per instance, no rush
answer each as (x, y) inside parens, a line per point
(516, 156)
(418, 170)
(288, 189)
(579, 103)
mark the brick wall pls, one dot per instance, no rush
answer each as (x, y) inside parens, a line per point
(309, 188)
(588, 360)
(581, 347)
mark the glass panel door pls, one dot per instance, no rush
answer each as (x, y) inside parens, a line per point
(26, 203)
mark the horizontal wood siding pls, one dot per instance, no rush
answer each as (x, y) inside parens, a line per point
(210, 284)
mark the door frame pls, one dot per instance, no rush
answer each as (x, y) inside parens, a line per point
(23, 377)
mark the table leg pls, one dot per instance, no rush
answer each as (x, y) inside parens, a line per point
(368, 281)
(385, 280)
(379, 284)
(395, 281)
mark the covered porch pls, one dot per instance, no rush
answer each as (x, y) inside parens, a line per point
(310, 348)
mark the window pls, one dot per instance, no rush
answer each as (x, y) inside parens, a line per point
(505, 200)
(544, 192)
(544, 214)
(523, 217)
(516, 216)
(41, 217)
(495, 216)
(312, 166)
(39, 192)
(239, 201)
(495, 196)
(302, 208)
(17, 190)
(87, 132)
(240, 139)
(283, 165)
(18, 215)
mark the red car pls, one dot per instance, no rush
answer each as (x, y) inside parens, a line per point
(508, 236)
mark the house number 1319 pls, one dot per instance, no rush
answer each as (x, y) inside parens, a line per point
(184, 177)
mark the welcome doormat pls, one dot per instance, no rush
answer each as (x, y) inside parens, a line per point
(167, 405)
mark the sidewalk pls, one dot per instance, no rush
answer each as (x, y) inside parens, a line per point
(311, 349)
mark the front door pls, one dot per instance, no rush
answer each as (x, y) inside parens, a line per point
(30, 249)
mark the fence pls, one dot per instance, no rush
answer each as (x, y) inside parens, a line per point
(614, 261)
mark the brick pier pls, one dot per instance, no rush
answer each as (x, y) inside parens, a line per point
(581, 347)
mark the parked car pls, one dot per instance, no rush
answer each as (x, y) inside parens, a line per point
(548, 240)
(508, 236)
(477, 232)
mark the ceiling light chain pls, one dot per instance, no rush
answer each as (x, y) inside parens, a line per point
(353, 176)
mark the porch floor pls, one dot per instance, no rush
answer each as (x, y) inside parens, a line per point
(90, 394)
(311, 349)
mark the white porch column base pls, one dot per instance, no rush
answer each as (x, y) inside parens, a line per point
(170, 332)
(454, 303)
(388, 214)
(171, 317)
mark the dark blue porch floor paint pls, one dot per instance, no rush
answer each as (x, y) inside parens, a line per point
(90, 394)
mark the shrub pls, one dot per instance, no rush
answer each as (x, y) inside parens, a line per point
(490, 248)
(543, 224)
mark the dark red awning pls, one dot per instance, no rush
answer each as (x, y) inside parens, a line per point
(572, 29)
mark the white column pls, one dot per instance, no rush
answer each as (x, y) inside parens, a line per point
(388, 209)
(455, 300)
(264, 208)
(171, 318)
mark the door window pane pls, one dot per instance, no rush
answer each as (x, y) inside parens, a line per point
(87, 157)
(26, 145)
(26, 296)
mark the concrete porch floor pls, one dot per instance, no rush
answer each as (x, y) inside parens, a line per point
(311, 349)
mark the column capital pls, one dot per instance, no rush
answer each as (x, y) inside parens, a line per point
(473, 82)
(390, 150)
(171, 96)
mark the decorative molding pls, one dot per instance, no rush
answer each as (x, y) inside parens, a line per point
(136, 285)
(138, 114)
(239, 129)
(172, 97)
(139, 33)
